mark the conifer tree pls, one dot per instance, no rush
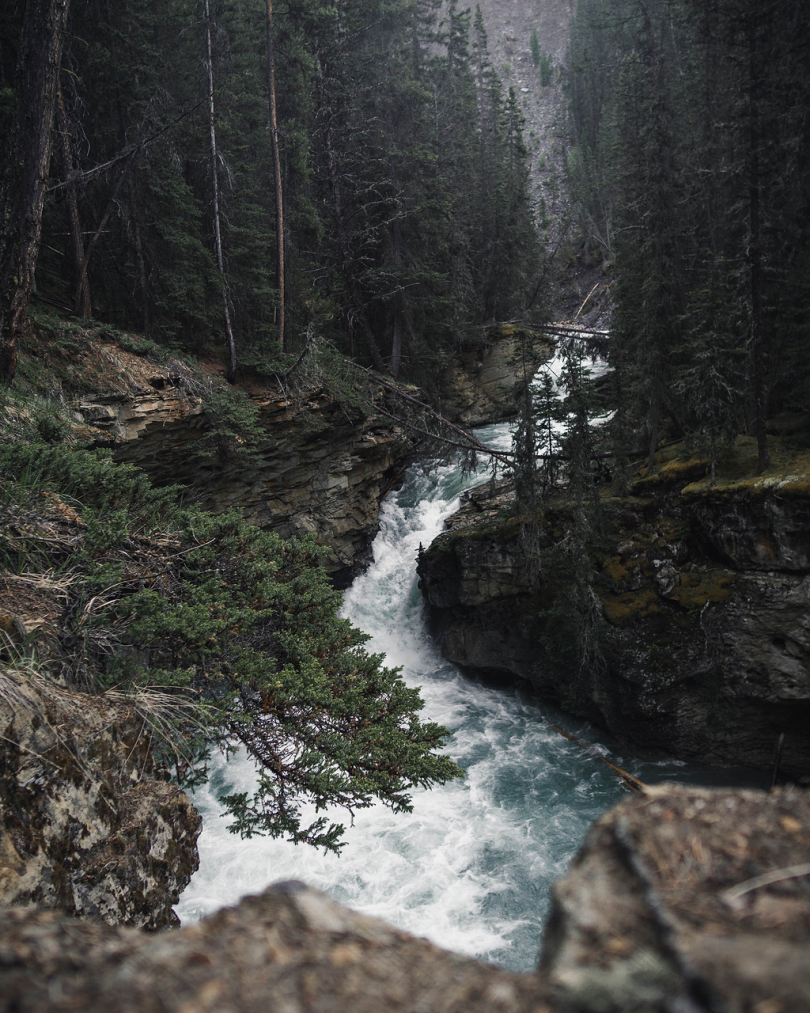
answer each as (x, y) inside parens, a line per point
(27, 168)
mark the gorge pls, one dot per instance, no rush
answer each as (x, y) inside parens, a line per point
(269, 281)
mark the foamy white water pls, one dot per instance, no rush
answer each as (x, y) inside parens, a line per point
(471, 867)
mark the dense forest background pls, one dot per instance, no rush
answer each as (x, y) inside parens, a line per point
(406, 218)
(396, 220)
(689, 168)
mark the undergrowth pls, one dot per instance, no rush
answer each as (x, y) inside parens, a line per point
(239, 627)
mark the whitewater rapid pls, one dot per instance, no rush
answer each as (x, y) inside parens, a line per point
(471, 867)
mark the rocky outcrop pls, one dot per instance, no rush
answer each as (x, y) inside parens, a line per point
(707, 652)
(681, 901)
(86, 825)
(291, 949)
(687, 899)
(483, 385)
(313, 466)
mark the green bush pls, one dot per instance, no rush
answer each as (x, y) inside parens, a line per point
(238, 621)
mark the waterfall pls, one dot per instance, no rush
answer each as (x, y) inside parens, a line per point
(471, 867)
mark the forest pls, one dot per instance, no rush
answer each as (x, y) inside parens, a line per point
(226, 173)
(237, 180)
(689, 167)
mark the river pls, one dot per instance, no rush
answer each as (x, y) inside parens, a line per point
(471, 867)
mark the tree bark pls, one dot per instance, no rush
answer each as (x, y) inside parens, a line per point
(271, 85)
(38, 67)
(82, 304)
(757, 353)
(143, 278)
(396, 341)
(231, 376)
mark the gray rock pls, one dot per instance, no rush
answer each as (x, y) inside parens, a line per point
(647, 918)
(665, 910)
(704, 662)
(85, 824)
(289, 950)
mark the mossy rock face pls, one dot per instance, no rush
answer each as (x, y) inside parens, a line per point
(787, 479)
(703, 660)
(698, 589)
(630, 607)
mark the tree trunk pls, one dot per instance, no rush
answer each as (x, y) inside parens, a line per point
(82, 305)
(38, 66)
(358, 307)
(396, 342)
(271, 82)
(757, 355)
(142, 276)
(215, 187)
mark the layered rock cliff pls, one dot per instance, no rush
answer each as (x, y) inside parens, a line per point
(312, 464)
(706, 592)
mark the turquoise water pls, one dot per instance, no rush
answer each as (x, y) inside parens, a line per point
(471, 867)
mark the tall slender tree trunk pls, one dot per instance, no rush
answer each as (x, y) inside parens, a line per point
(143, 279)
(38, 66)
(356, 296)
(82, 305)
(396, 341)
(215, 188)
(271, 87)
(757, 353)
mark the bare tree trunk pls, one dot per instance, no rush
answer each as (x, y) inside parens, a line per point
(82, 305)
(271, 82)
(757, 354)
(136, 225)
(39, 62)
(215, 186)
(655, 420)
(396, 343)
(358, 307)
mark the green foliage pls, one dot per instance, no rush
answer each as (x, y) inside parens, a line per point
(233, 423)
(546, 68)
(408, 219)
(239, 626)
(534, 45)
(688, 173)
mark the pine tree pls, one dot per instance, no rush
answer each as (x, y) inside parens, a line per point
(27, 169)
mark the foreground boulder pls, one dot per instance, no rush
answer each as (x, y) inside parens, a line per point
(682, 900)
(290, 949)
(85, 823)
(691, 894)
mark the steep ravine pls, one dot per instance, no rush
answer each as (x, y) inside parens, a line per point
(647, 920)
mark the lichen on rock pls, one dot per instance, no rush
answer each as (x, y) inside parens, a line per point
(86, 823)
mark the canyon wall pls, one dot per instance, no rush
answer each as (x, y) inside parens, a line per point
(705, 593)
(314, 465)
